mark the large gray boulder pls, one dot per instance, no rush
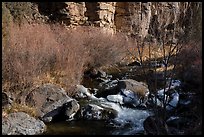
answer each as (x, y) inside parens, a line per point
(52, 102)
(21, 123)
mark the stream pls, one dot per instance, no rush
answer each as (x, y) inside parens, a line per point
(129, 120)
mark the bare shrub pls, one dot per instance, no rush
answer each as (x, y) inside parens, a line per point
(38, 54)
(190, 63)
(103, 48)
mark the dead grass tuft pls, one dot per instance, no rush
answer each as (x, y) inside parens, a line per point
(19, 108)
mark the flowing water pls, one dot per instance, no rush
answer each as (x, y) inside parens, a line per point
(129, 121)
(129, 124)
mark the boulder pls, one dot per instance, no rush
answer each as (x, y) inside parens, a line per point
(107, 88)
(173, 102)
(21, 123)
(115, 98)
(60, 110)
(51, 102)
(70, 109)
(175, 121)
(155, 126)
(95, 112)
(81, 92)
(137, 90)
(109, 85)
(130, 99)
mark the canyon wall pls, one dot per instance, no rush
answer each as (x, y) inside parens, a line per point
(137, 19)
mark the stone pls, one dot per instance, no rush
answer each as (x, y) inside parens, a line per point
(71, 108)
(175, 121)
(137, 18)
(115, 98)
(21, 123)
(155, 126)
(108, 85)
(50, 100)
(62, 110)
(130, 99)
(95, 112)
(139, 88)
(135, 93)
(81, 92)
(173, 102)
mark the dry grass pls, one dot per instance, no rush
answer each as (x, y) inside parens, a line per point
(38, 54)
(149, 51)
(19, 108)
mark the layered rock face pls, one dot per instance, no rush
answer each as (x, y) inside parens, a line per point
(149, 20)
(138, 19)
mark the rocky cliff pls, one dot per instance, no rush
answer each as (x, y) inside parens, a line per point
(138, 19)
(134, 18)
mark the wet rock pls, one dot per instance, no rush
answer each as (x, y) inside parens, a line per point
(177, 122)
(139, 88)
(130, 99)
(171, 94)
(21, 123)
(131, 102)
(185, 99)
(172, 99)
(50, 101)
(184, 102)
(134, 90)
(173, 102)
(155, 126)
(170, 88)
(115, 98)
(92, 112)
(95, 112)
